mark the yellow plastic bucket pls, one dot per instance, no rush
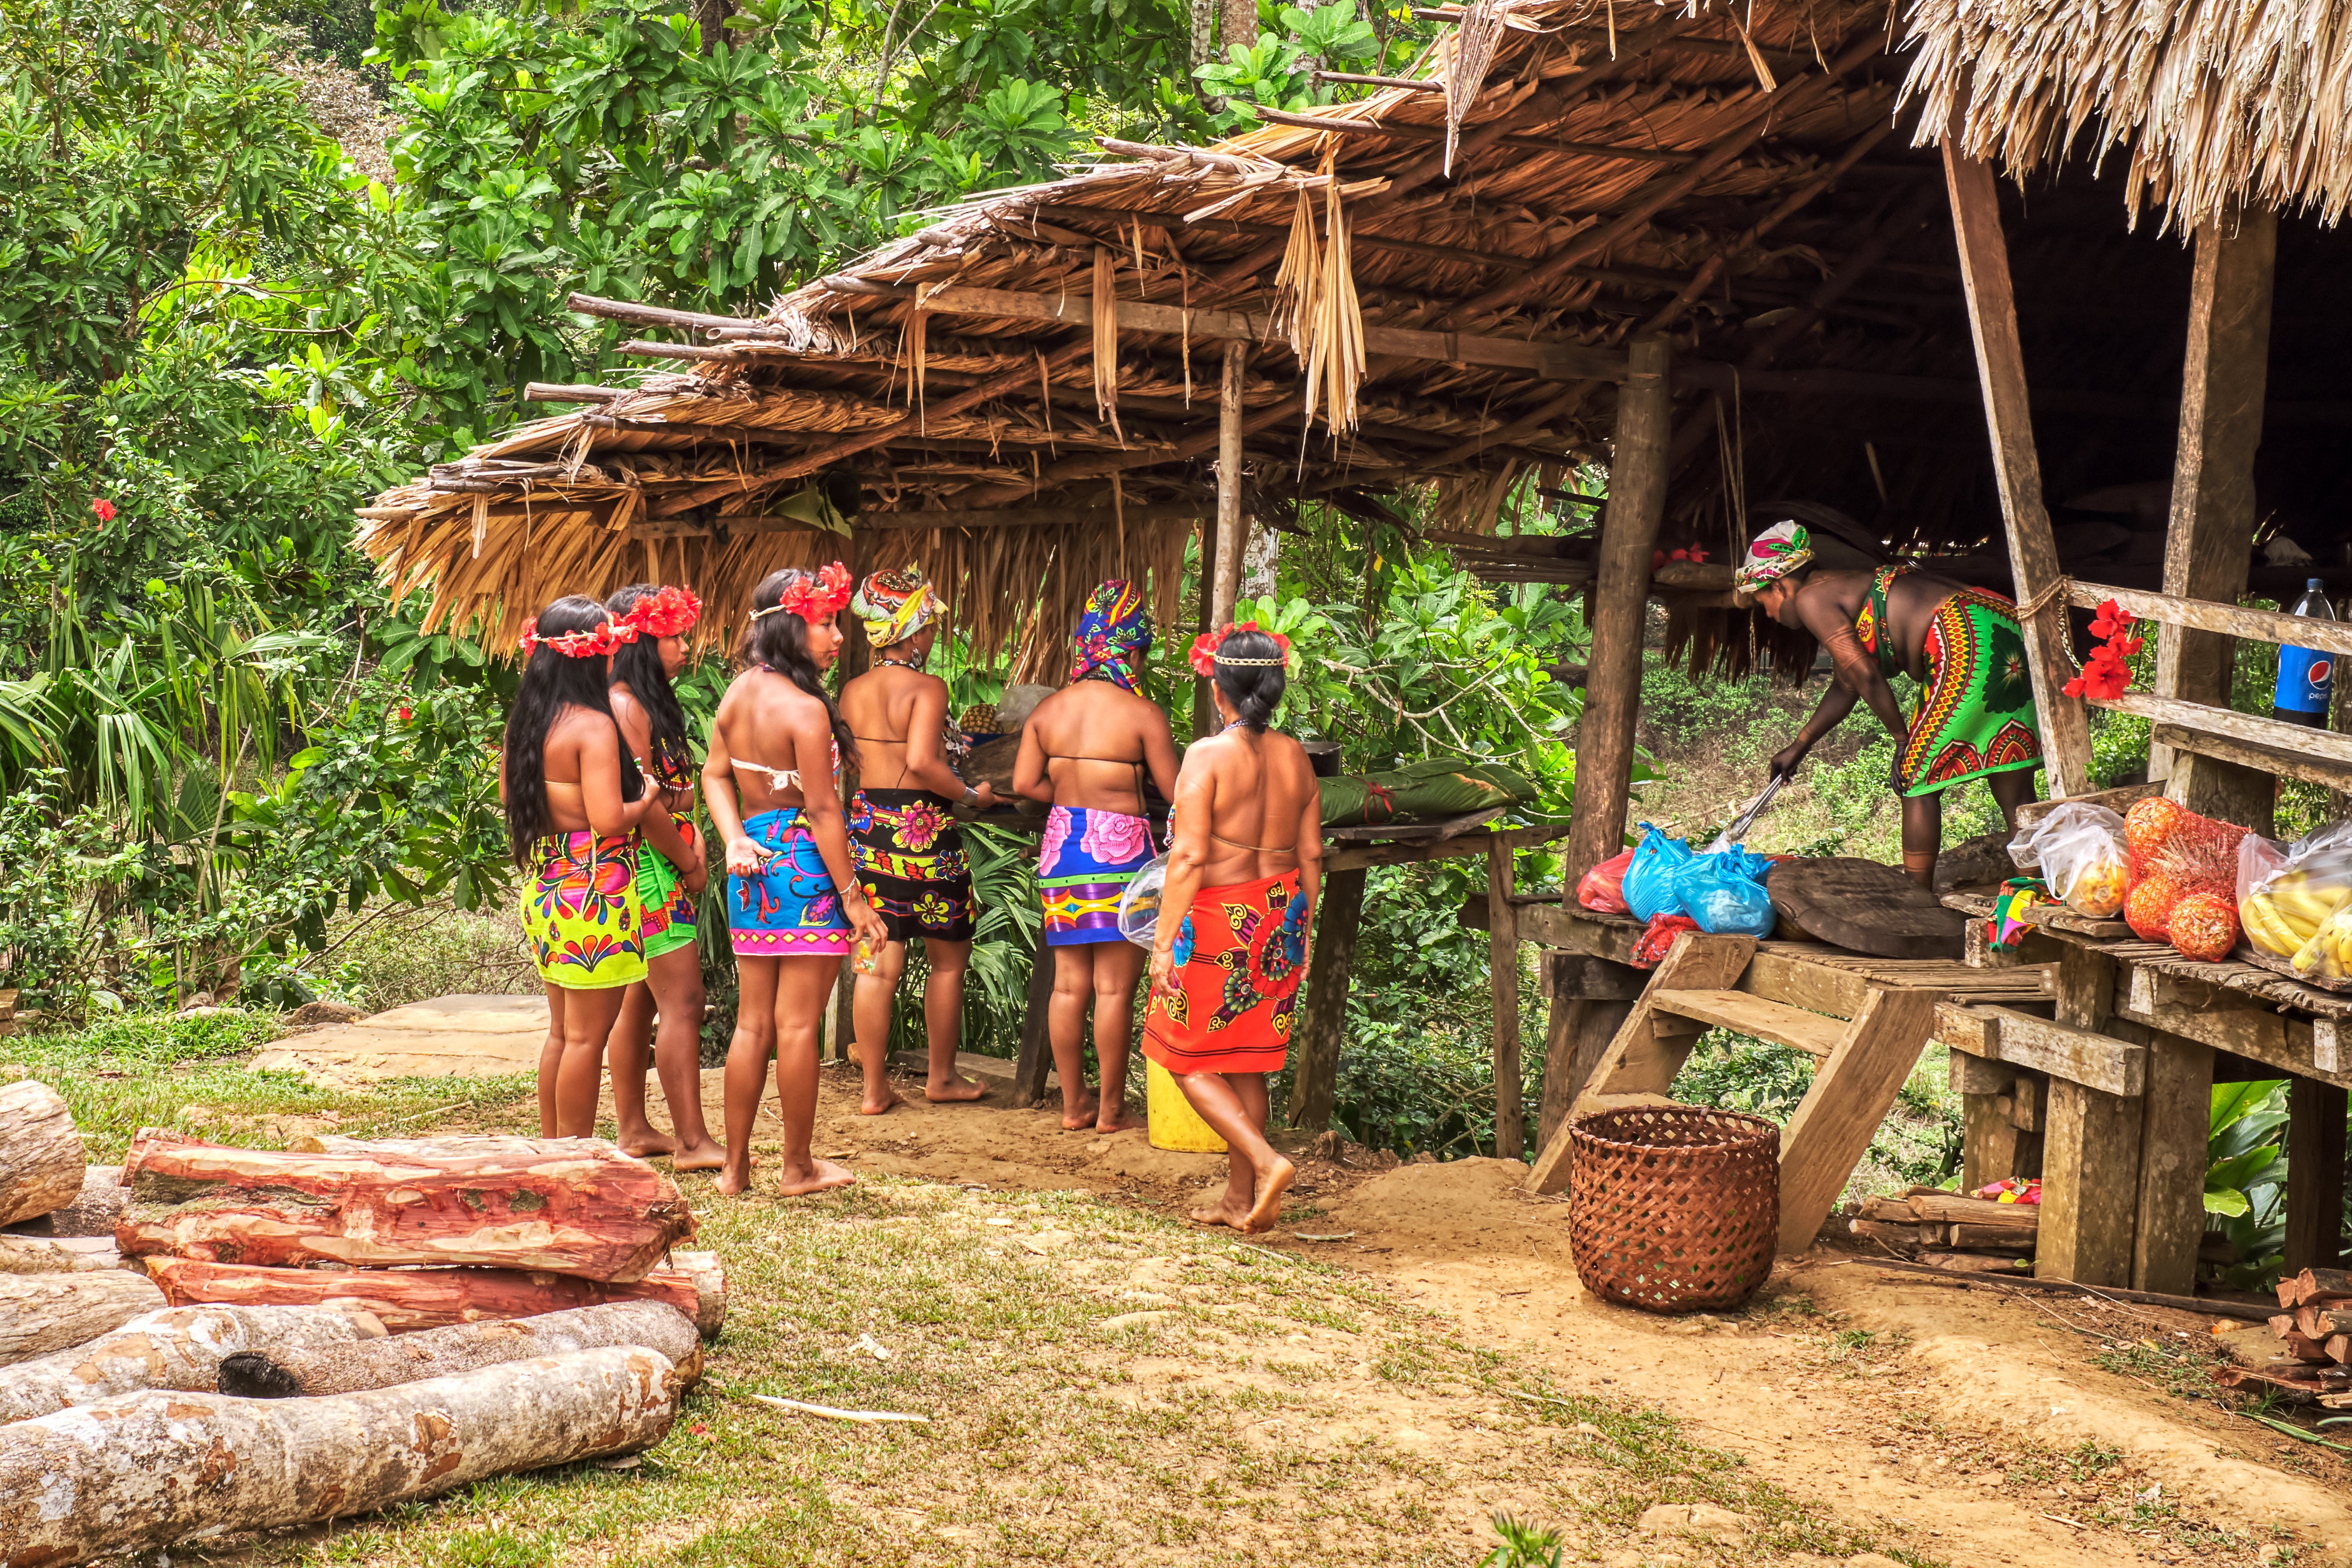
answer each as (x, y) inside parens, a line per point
(1174, 1124)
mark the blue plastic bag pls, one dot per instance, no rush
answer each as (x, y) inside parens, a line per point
(1724, 892)
(1650, 880)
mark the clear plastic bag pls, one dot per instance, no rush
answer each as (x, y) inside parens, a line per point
(1724, 892)
(1603, 889)
(2080, 850)
(1138, 906)
(1650, 879)
(2287, 893)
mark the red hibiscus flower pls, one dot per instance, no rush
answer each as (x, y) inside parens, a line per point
(103, 508)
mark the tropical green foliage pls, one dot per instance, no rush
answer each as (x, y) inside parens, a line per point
(2245, 1176)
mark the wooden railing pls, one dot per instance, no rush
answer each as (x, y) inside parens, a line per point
(2294, 750)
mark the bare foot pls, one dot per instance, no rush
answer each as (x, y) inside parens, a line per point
(709, 1156)
(954, 1090)
(817, 1177)
(647, 1145)
(872, 1106)
(1270, 1188)
(734, 1182)
(1118, 1119)
(1083, 1116)
(1225, 1211)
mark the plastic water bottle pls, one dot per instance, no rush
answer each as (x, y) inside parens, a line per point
(2306, 675)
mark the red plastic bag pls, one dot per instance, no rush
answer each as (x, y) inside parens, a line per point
(1659, 936)
(1602, 888)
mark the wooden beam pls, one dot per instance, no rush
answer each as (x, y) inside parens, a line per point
(637, 314)
(1629, 535)
(2176, 1126)
(2208, 545)
(2227, 620)
(2322, 756)
(2241, 1025)
(1029, 516)
(2315, 1174)
(560, 392)
(1431, 133)
(2090, 1147)
(1336, 921)
(2033, 553)
(1233, 528)
(1850, 1094)
(2077, 1055)
(1502, 986)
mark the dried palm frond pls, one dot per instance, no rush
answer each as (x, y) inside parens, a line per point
(1105, 322)
(1472, 50)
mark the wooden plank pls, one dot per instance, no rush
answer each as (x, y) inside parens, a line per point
(2175, 1119)
(1776, 975)
(2206, 550)
(2315, 1174)
(2117, 800)
(2090, 1156)
(1629, 535)
(1576, 931)
(1743, 1013)
(2234, 1023)
(2230, 620)
(1852, 1092)
(1634, 1063)
(2287, 743)
(2260, 759)
(1337, 922)
(2033, 552)
(1580, 977)
(2079, 1056)
(1502, 986)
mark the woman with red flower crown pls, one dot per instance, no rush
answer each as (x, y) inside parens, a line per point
(574, 798)
(793, 897)
(1245, 867)
(670, 876)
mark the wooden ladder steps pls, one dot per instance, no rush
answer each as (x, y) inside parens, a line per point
(1742, 1013)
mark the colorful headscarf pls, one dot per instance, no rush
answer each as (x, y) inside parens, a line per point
(1776, 552)
(1114, 635)
(895, 605)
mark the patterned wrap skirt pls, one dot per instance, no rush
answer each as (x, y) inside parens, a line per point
(1083, 865)
(791, 908)
(1239, 955)
(1976, 713)
(581, 913)
(911, 859)
(669, 908)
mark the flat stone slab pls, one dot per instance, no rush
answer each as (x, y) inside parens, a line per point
(448, 1037)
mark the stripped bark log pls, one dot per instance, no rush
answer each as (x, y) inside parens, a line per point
(285, 1372)
(411, 1299)
(31, 1255)
(44, 1312)
(144, 1471)
(570, 1205)
(40, 1153)
(178, 1347)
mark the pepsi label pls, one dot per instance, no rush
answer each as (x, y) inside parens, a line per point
(2304, 677)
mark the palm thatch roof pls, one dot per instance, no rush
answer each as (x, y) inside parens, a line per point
(2209, 103)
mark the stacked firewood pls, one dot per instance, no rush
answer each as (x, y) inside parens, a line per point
(256, 1358)
(2315, 1335)
(1938, 1226)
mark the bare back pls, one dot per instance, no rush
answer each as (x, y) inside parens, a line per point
(1265, 811)
(767, 727)
(897, 715)
(1095, 743)
(1830, 599)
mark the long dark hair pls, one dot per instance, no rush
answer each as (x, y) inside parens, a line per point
(1255, 690)
(780, 642)
(552, 682)
(638, 666)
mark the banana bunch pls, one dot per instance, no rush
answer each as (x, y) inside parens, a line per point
(2283, 916)
(2328, 955)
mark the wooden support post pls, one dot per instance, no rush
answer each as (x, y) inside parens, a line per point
(2175, 1121)
(1579, 1030)
(2206, 553)
(1502, 981)
(1233, 528)
(1204, 706)
(1339, 913)
(1988, 1124)
(2090, 1169)
(856, 657)
(2029, 1107)
(1037, 1057)
(1853, 1091)
(2064, 722)
(2315, 1174)
(1628, 534)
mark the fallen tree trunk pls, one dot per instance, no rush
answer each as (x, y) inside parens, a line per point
(178, 1347)
(31, 1255)
(566, 1206)
(40, 1153)
(146, 1471)
(45, 1313)
(411, 1299)
(285, 1372)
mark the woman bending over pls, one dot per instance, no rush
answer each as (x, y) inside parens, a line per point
(574, 798)
(1245, 868)
(670, 877)
(909, 852)
(791, 899)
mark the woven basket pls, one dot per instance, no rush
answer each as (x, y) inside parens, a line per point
(1673, 1208)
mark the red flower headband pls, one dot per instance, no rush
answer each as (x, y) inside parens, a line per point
(814, 598)
(1204, 648)
(670, 612)
(589, 644)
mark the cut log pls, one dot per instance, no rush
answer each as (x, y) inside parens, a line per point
(708, 1277)
(2323, 1322)
(178, 1347)
(2008, 1238)
(40, 1153)
(45, 1313)
(1894, 1235)
(1951, 1207)
(93, 1211)
(285, 1372)
(146, 1471)
(2312, 1284)
(411, 1299)
(566, 1206)
(32, 1255)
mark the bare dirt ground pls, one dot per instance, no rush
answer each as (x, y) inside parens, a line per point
(1971, 1425)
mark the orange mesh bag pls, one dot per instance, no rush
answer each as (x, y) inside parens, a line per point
(2203, 926)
